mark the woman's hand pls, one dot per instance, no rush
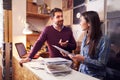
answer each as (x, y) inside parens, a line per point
(77, 57)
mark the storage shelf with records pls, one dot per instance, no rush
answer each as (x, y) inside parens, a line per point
(33, 11)
(36, 20)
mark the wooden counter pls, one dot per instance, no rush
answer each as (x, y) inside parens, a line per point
(27, 72)
(22, 73)
(0, 66)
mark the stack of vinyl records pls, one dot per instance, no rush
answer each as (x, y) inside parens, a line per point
(57, 65)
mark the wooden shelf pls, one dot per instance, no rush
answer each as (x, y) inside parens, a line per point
(35, 15)
(34, 34)
(32, 11)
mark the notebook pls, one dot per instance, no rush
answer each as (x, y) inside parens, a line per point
(22, 52)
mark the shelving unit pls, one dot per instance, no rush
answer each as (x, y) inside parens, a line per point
(35, 18)
(32, 11)
(36, 15)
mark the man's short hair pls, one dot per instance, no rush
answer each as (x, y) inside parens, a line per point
(52, 13)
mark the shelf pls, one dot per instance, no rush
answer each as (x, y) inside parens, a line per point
(32, 11)
(34, 34)
(35, 15)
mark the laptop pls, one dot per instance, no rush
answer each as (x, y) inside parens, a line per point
(22, 52)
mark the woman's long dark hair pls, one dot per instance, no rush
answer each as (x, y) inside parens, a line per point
(95, 31)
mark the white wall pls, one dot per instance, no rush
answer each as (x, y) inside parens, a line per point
(1, 23)
(18, 20)
(96, 5)
(56, 3)
(77, 32)
(1, 29)
(113, 5)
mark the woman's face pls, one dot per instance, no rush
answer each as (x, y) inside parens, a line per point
(84, 24)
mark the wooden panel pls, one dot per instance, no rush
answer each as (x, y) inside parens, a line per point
(29, 7)
(6, 36)
(7, 26)
(10, 26)
(32, 7)
(31, 39)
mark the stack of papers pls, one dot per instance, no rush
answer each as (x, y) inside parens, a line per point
(57, 65)
(58, 69)
(56, 60)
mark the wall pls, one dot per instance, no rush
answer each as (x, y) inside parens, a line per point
(53, 4)
(48, 2)
(19, 19)
(1, 23)
(1, 35)
(113, 5)
(67, 15)
(96, 5)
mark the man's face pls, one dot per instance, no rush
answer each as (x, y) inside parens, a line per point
(58, 19)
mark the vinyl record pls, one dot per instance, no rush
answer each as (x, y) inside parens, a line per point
(76, 14)
(78, 2)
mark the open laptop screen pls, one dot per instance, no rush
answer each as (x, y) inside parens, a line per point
(20, 49)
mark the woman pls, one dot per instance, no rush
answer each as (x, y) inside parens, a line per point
(95, 47)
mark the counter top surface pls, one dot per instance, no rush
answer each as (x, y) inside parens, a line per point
(38, 69)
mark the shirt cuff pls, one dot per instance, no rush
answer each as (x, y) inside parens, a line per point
(86, 60)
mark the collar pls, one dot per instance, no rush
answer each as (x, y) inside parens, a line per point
(55, 26)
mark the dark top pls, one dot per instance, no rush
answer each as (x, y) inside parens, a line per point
(52, 37)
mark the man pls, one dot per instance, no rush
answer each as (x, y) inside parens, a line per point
(55, 34)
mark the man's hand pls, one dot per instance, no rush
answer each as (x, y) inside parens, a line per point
(24, 61)
(63, 44)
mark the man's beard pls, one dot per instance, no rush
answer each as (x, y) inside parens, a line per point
(60, 23)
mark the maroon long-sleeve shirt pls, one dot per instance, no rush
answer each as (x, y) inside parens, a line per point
(52, 37)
